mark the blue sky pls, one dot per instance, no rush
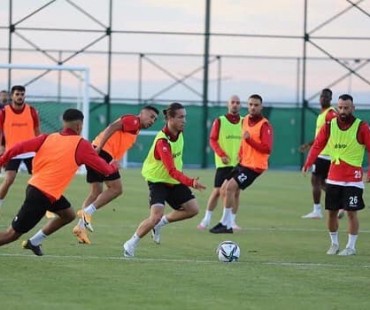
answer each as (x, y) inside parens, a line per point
(275, 79)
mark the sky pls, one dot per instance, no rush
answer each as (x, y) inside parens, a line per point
(271, 66)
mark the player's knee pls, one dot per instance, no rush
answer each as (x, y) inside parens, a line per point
(115, 188)
(8, 182)
(68, 216)
(154, 219)
(229, 190)
(118, 191)
(95, 193)
(193, 210)
(11, 235)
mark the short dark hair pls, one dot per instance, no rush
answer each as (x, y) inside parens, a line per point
(346, 97)
(17, 87)
(326, 91)
(256, 96)
(150, 107)
(172, 108)
(70, 115)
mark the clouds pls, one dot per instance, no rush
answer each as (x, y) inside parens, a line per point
(266, 73)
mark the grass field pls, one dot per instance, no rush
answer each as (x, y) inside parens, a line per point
(283, 264)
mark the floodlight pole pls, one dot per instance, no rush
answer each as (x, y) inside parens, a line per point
(11, 30)
(306, 38)
(205, 83)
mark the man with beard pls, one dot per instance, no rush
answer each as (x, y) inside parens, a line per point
(346, 137)
(162, 169)
(255, 150)
(18, 122)
(111, 143)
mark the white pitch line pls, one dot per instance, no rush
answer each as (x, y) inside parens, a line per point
(268, 229)
(178, 260)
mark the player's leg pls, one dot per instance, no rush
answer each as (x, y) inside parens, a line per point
(234, 225)
(239, 179)
(188, 210)
(102, 197)
(66, 215)
(353, 202)
(231, 188)
(9, 235)
(211, 205)
(220, 177)
(158, 193)
(318, 176)
(212, 200)
(95, 181)
(183, 204)
(96, 188)
(84, 219)
(11, 170)
(31, 212)
(333, 201)
(112, 191)
(156, 213)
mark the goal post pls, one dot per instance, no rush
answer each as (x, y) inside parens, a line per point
(83, 76)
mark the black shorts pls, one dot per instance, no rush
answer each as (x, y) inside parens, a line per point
(321, 167)
(348, 198)
(92, 176)
(13, 164)
(243, 176)
(34, 207)
(174, 195)
(221, 175)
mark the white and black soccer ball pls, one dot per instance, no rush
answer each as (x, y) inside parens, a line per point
(228, 251)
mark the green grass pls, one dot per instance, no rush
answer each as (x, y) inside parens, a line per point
(283, 264)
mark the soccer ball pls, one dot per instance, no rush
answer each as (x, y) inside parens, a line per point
(228, 251)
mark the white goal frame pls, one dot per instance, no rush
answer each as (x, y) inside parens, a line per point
(85, 79)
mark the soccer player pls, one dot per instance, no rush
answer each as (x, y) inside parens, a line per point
(112, 143)
(320, 168)
(18, 122)
(162, 169)
(225, 138)
(346, 137)
(256, 147)
(57, 158)
(4, 99)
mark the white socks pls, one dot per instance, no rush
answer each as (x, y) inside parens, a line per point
(90, 209)
(226, 217)
(317, 208)
(162, 222)
(134, 240)
(351, 244)
(351, 241)
(207, 217)
(37, 238)
(233, 216)
(334, 237)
